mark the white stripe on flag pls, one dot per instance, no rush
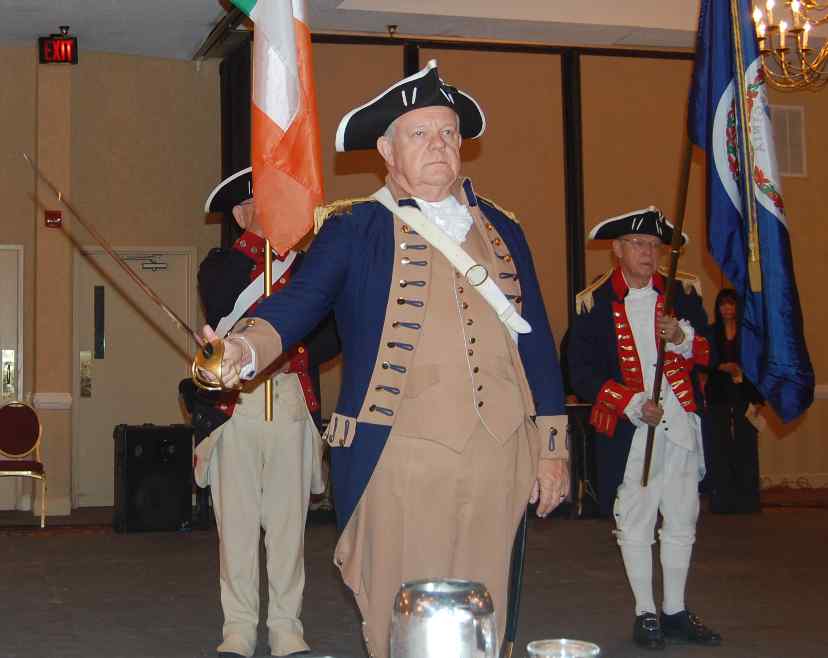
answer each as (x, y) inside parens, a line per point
(275, 75)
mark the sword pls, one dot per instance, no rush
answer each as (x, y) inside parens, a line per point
(208, 351)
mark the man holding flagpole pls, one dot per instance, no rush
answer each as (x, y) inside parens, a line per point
(451, 413)
(613, 352)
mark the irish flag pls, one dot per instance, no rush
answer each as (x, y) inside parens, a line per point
(287, 167)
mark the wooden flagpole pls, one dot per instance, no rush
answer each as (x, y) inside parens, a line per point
(268, 289)
(675, 252)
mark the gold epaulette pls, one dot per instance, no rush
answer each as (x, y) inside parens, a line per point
(584, 300)
(688, 280)
(321, 213)
(508, 213)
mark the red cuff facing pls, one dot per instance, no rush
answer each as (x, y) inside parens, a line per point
(609, 406)
(701, 351)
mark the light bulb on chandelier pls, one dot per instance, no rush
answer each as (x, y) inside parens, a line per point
(783, 34)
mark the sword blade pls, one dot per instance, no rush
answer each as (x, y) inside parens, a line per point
(120, 261)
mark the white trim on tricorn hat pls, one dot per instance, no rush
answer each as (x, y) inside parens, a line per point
(646, 221)
(361, 127)
(230, 192)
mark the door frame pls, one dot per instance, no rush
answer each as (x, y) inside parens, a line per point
(82, 254)
(21, 392)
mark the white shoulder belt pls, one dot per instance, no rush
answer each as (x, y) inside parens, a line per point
(251, 294)
(475, 273)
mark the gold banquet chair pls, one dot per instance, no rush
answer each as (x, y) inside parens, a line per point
(20, 432)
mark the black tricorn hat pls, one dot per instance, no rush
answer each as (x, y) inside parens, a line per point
(647, 221)
(362, 126)
(230, 192)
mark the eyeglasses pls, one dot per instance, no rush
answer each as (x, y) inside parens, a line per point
(642, 245)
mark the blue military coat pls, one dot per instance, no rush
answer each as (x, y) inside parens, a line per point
(348, 269)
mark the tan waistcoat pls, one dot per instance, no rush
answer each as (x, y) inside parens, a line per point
(462, 372)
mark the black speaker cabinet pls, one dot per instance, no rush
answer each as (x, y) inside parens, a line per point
(153, 477)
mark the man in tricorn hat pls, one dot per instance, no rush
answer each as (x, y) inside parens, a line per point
(612, 358)
(260, 473)
(451, 414)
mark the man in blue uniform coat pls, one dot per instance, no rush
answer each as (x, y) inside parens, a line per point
(612, 357)
(451, 414)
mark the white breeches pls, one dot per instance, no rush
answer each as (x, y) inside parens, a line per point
(260, 474)
(672, 490)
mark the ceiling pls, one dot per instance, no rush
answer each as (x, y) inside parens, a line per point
(177, 28)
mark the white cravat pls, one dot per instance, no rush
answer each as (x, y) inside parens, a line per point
(449, 215)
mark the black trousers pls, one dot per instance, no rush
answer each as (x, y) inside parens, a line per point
(734, 460)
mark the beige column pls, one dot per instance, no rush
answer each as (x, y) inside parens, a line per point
(53, 286)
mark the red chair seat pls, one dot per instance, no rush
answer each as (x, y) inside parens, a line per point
(19, 429)
(21, 465)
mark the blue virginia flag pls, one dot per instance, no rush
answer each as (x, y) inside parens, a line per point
(774, 355)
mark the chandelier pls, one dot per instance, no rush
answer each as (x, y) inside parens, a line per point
(783, 34)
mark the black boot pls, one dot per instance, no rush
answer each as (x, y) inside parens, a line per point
(647, 632)
(684, 626)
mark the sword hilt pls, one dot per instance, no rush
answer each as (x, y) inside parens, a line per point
(208, 358)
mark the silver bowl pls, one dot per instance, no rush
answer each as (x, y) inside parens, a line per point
(562, 648)
(443, 619)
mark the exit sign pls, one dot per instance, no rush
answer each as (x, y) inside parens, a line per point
(58, 49)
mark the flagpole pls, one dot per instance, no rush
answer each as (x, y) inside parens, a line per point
(754, 262)
(669, 294)
(268, 289)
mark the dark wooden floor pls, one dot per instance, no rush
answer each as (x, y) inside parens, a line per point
(79, 590)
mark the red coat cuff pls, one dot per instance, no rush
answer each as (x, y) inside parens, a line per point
(701, 351)
(609, 406)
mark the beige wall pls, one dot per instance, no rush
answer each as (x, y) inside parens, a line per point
(146, 140)
(17, 135)
(134, 144)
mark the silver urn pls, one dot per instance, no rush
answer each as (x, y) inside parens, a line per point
(443, 619)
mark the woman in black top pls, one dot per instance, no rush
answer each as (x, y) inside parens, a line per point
(734, 460)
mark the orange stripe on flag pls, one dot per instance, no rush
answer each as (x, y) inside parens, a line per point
(287, 166)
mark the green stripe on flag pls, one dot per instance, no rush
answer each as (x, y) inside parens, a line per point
(245, 5)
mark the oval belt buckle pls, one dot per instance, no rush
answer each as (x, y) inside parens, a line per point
(476, 275)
